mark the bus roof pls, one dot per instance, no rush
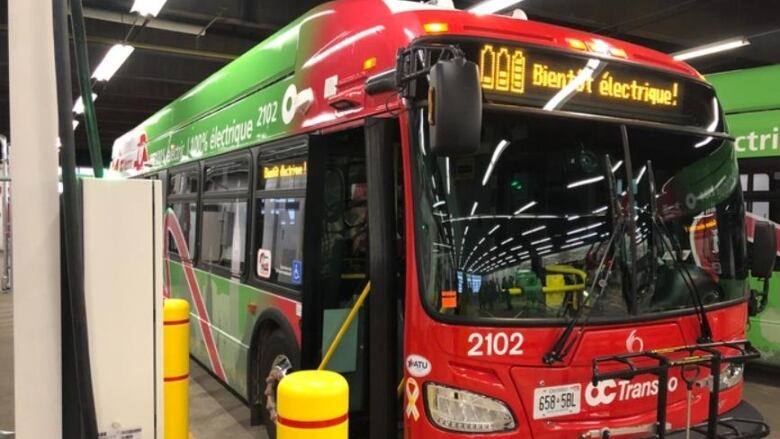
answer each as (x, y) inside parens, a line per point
(311, 74)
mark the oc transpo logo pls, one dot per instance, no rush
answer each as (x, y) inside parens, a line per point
(607, 391)
(634, 343)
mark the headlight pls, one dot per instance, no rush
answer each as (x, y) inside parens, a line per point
(731, 375)
(461, 410)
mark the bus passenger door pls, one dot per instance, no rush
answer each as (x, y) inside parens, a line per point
(338, 243)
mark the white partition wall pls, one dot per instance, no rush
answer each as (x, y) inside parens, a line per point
(36, 222)
(123, 289)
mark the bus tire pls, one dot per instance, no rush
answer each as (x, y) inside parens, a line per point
(279, 356)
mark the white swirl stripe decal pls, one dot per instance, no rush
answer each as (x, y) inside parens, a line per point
(172, 226)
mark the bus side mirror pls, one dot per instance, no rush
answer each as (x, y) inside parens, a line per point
(454, 108)
(762, 260)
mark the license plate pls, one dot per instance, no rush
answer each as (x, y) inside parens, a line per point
(555, 401)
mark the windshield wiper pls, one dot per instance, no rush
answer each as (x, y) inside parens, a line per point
(563, 345)
(664, 234)
(631, 217)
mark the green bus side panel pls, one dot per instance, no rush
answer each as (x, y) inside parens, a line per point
(757, 134)
(751, 100)
(226, 302)
(236, 126)
(764, 329)
(267, 62)
(746, 90)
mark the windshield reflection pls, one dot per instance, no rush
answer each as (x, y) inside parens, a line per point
(519, 228)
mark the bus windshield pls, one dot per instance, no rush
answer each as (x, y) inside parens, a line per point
(519, 230)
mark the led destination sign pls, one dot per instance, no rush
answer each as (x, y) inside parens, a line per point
(574, 82)
(508, 70)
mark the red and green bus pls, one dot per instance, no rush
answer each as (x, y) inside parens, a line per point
(551, 223)
(751, 101)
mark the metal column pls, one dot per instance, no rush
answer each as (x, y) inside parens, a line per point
(6, 281)
(36, 262)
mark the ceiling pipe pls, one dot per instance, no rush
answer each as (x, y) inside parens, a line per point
(168, 50)
(154, 23)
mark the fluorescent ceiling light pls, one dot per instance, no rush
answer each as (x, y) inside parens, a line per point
(507, 241)
(114, 59)
(534, 230)
(147, 8)
(584, 182)
(493, 160)
(572, 244)
(572, 218)
(517, 247)
(474, 208)
(709, 49)
(539, 241)
(582, 229)
(641, 174)
(78, 107)
(492, 6)
(581, 237)
(496, 227)
(526, 207)
(544, 247)
(447, 162)
(596, 179)
(567, 91)
(439, 203)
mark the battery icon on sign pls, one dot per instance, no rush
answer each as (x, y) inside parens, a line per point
(501, 69)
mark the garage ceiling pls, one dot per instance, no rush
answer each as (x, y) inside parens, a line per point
(209, 33)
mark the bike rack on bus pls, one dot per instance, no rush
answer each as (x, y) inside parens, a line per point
(659, 362)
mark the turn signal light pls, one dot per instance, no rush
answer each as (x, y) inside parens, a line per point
(436, 28)
(617, 52)
(576, 44)
(369, 63)
(596, 46)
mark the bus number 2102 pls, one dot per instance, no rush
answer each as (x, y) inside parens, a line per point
(498, 343)
(266, 114)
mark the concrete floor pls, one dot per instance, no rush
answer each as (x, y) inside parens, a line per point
(215, 413)
(6, 363)
(762, 389)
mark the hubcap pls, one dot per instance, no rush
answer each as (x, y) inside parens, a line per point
(279, 369)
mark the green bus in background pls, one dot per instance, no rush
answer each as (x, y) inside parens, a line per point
(751, 101)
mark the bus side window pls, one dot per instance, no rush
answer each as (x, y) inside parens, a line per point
(182, 198)
(223, 222)
(761, 184)
(280, 201)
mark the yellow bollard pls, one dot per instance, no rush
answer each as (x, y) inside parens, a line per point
(176, 368)
(312, 404)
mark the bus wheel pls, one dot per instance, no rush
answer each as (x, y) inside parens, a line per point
(279, 357)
